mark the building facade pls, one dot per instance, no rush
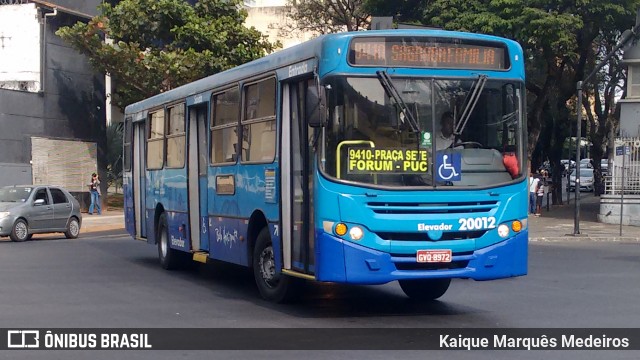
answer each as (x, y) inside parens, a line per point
(52, 104)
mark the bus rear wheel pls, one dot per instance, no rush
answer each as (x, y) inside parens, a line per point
(170, 259)
(272, 286)
(425, 289)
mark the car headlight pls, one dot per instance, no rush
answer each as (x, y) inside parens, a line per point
(4, 214)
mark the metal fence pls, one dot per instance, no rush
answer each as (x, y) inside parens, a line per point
(613, 182)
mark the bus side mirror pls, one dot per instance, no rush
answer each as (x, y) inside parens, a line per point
(315, 106)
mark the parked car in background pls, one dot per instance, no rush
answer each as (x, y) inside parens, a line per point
(604, 166)
(586, 163)
(569, 165)
(34, 209)
(586, 180)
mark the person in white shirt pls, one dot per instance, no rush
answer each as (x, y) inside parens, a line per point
(446, 138)
(533, 189)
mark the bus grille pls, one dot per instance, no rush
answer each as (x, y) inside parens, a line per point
(433, 266)
(432, 208)
(424, 236)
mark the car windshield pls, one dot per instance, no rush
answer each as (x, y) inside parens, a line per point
(398, 131)
(14, 194)
(586, 173)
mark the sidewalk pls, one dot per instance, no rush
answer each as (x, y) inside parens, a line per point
(109, 220)
(557, 224)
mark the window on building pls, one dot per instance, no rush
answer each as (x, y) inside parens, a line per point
(176, 137)
(155, 140)
(634, 81)
(259, 124)
(224, 126)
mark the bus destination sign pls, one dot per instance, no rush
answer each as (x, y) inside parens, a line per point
(427, 52)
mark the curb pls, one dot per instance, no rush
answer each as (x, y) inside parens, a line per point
(570, 239)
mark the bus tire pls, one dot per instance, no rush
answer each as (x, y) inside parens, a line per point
(277, 288)
(170, 259)
(425, 289)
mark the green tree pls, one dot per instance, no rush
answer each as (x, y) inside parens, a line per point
(158, 45)
(560, 39)
(327, 16)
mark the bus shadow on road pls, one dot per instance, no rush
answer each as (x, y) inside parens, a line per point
(317, 300)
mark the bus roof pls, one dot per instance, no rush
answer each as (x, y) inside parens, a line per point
(292, 55)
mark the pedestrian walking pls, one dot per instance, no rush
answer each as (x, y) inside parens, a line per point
(533, 190)
(94, 190)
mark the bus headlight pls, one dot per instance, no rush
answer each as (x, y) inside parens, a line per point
(356, 233)
(503, 231)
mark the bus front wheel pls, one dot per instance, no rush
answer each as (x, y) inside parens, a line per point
(425, 289)
(272, 286)
(170, 259)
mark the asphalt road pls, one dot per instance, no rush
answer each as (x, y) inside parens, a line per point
(112, 281)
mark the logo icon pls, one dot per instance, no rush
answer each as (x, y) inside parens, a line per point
(448, 166)
(23, 339)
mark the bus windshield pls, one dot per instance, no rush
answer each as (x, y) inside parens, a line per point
(392, 131)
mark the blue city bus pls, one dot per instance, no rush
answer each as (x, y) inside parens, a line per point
(359, 158)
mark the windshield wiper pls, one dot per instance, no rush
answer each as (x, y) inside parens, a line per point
(392, 92)
(470, 103)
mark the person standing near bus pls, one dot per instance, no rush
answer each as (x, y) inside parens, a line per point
(540, 196)
(94, 189)
(533, 190)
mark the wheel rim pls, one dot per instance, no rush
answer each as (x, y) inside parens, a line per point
(74, 227)
(21, 230)
(267, 266)
(163, 243)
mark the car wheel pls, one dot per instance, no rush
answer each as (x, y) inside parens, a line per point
(274, 287)
(73, 229)
(425, 289)
(20, 231)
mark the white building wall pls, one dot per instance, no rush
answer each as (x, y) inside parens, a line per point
(269, 21)
(19, 47)
(263, 3)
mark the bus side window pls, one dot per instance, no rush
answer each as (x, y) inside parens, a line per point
(224, 126)
(259, 125)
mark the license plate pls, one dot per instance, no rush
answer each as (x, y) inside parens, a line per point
(433, 256)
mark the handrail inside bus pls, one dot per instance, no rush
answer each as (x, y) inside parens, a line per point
(349, 142)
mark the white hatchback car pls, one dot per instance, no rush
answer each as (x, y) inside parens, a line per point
(586, 180)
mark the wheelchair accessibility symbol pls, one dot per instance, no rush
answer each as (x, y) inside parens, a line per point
(448, 167)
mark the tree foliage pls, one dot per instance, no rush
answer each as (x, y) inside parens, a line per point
(327, 16)
(561, 40)
(161, 44)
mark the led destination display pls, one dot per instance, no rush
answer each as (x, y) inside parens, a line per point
(387, 160)
(427, 52)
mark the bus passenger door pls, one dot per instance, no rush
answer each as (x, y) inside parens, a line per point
(197, 181)
(139, 179)
(297, 181)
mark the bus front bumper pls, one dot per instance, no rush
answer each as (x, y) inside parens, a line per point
(342, 261)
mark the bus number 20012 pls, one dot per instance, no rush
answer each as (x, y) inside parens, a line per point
(478, 223)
